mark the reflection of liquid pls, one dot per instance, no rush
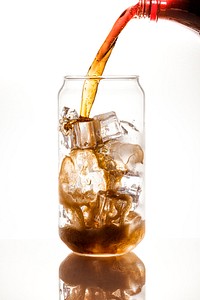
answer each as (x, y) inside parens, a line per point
(102, 278)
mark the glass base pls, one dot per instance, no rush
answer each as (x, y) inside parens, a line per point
(105, 241)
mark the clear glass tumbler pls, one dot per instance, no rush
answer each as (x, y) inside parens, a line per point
(101, 166)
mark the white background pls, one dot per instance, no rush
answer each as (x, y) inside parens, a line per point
(41, 41)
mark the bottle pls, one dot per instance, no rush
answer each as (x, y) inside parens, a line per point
(101, 166)
(186, 12)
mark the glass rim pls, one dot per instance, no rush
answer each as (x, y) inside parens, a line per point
(119, 77)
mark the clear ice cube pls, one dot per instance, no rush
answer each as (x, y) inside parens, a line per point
(110, 127)
(127, 152)
(132, 184)
(124, 155)
(80, 172)
(83, 135)
(67, 176)
(130, 133)
(69, 114)
(67, 117)
(111, 208)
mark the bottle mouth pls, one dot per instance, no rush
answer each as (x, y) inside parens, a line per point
(151, 8)
(106, 77)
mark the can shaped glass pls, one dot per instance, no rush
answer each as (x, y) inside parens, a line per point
(101, 165)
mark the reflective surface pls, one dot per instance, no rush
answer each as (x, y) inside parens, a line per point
(29, 269)
(102, 278)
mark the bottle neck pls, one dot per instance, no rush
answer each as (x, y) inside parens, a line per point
(151, 8)
(186, 12)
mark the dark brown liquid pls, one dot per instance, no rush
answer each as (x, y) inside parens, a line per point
(100, 217)
(110, 239)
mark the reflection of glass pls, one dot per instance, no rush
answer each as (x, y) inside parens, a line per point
(101, 165)
(102, 278)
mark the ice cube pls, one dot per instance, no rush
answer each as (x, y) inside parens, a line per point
(128, 152)
(128, 127)
(90, 175)
(69, 114)
(66, 143)
(67, 117)
(67, 176)
(100, 209)
(130, 133)
(123, 155)
(132, 184)
(110, 127)
(83, 134)
(80, 172)
(111, 208)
